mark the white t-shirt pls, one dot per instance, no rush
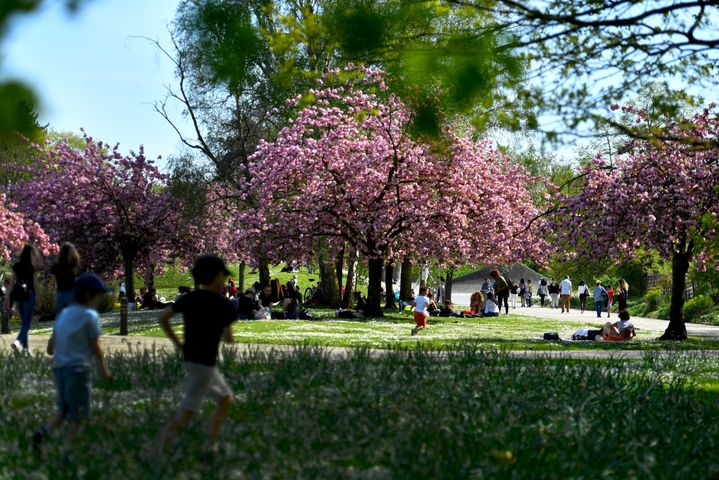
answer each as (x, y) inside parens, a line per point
(491, 307)
(421, 303)
(622, 325)
(566, 285)
(583, 290)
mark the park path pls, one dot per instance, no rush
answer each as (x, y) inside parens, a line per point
(115, 344)
(590, 317)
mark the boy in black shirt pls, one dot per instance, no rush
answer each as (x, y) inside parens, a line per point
(207, 317)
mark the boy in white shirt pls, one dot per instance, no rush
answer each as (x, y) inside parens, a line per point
(420, 304)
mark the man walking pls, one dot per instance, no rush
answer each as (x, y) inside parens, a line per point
(566, 292)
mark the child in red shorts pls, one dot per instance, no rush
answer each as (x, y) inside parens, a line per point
(421, 304)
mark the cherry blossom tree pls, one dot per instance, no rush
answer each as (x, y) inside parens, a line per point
(115, 208)
(347, 170)
(16, 230)
(662, 195)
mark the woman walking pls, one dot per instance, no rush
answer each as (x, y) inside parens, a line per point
(554, 293)
(501, 289)
(542, 291)
(513, 291)
(528, 294)
(583, 292)
(24, 288)
(600, 296)
(522, 292)
(65, 270)
(622, 295)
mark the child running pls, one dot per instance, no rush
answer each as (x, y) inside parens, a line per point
(74, 341)
(420, 304)
(207, 318)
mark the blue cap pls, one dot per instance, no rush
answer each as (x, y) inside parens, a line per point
(90, 283)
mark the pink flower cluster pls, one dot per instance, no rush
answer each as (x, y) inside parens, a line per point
(113, 207)
(661, 195)
(346, 170)
(16, 230)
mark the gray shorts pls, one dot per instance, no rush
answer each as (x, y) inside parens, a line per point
(73, 391)
(201, 381)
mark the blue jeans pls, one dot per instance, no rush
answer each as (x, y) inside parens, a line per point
(26, 310)
(599, 306)
(63, 299)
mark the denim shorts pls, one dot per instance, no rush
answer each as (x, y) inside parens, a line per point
(73, 391)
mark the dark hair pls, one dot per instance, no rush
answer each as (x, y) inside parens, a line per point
(494, 273)
(422, 289)
(30, 256)
(207, 268)
(68, 260)
(624, 315)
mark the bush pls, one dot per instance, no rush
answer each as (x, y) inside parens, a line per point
(697, 306)
(662, 312)
(653, 299)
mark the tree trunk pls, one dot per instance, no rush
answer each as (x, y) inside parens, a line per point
(241, 278)
(264, 270)
(340, 266)
(448, 285)
(349, 286)
(389, 289)
(330, 292)
(129, 264)
(149, 278)
(374, 294)
(677, 329)
(405, 283)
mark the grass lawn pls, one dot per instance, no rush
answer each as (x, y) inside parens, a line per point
(304, 416)
(515, 332)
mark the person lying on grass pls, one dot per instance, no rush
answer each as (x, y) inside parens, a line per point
(207, 318)
(74, 341)
(421, 305)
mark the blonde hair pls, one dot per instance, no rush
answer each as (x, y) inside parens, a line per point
(623, 285)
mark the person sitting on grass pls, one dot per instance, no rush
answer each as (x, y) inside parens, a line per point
(491, 309)
(291, 303)
(208, 318)
(447, 310)
(420, 305)
(623, 330)
(476, 303)
(74, 341)
(247, 305)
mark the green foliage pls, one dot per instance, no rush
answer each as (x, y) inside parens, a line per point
(653, 299)
(697, 306)
(443, 59)
(307, 416)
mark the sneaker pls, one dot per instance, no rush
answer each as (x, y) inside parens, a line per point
(17, 346)
(414, 332)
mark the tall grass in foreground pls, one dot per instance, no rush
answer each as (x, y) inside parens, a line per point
(409, 414)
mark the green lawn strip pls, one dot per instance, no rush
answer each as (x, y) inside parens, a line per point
(473, 414)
